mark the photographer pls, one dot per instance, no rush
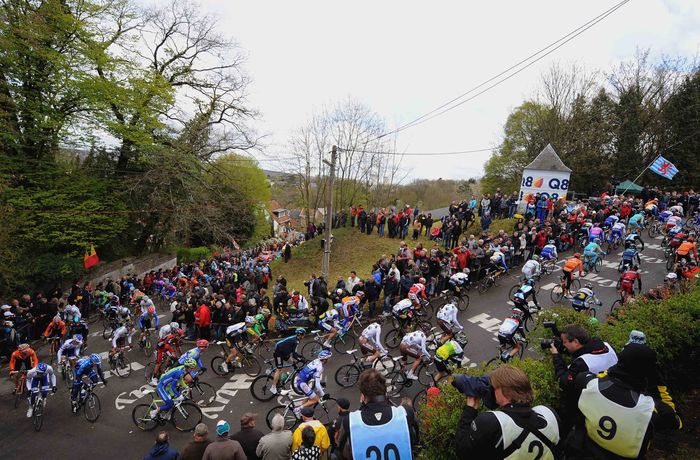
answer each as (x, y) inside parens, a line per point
(516, 430)
(589, 355)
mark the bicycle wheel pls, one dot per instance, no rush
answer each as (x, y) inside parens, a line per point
(393, 338)
(92, 408)
(203, 394)
(69, 375)
(290, 420)
(598, 265)
(107, 331)
(529, 320)
(347, 375)
(327, 411)
(122, 367)
(344, 343)
(187, 416)
(217, 362)
(149, 369)
(653, 230)
(395, 382)
(462, 302)
(670, 263)
(557, 293)
(265, 350)
(512, 291)
(384, 364)
(38, 416)
(616, 304)
(425, 374)
(493, 360)
(419, 399)
(575, 284)
(260, 388)
(311, 350)
(483, 286)
(147, 347)
(251, 365)
(591, 312)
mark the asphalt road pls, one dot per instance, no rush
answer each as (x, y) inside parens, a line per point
(113, 435)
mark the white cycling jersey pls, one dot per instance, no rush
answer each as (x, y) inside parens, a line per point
(235, 328)
(416, 339)
(120, 333)
(70, 345)
(531, 268)
(72, 311)
(508, 326)
(164, 331)
(373, 334)
(34, 373)
(448, 314)
(459, 278)
(402, 307)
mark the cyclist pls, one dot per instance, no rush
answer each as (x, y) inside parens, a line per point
(448, 322)
(673, 220)
(618, 231)
(70, 349)
(532, 268)
(169, 382)
(630, 256)
(634, 238)
(520, 298)
(627, 281)
(636, 222)
(71, 313)
(582, 300)
(79, 327)
(611, 220)
(450, 351)
(168, 329)
(196, 354)
(146, 303)
(651, 207)
(371, 343)
(23, 356)
(312, 371)
(351, 307)
(39, 378)
(122, 334)
(170, 346)
(413, 345)
(498, 262)
(284, 349)
(56, 328)
(595, 233)
(459, 280)
(685, 249)
(91, 367)
(549, 251)
(118, 313)
(592, 251)
(403, 312)
(512, 334)
(145, 319)
(570, 266)
(328, 321)
(235, 336)
(417, 293)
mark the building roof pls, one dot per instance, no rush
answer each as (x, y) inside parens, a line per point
(548, 160)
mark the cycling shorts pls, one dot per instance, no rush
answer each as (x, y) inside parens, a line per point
(162, 351)
(145, 324)
(507, 339)
(251, 332)
(27, 363)
(445, 326)
(327, 326)
(233, 339)
(280, 359)
(71, 352)
(120, 342)
(367, 346)
(304, 388)
(441, 366)
(410, 350)
(627, 287)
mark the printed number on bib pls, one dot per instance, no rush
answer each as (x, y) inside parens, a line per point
(608, 428)
(389, 448)
(536, 445)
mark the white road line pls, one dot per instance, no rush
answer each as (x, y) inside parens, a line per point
(134, 368)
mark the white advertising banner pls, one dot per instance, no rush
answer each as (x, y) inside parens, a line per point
(552, 184)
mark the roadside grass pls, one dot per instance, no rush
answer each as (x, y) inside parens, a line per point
(352, 250)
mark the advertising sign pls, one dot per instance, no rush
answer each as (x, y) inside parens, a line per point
(552, 184)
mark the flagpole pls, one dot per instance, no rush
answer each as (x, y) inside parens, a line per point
(640, 174)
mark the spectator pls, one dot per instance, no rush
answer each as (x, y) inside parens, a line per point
(352, 281)
(161, 450)
(195, 449)
(307, 450)
(223, 448)
(276, 445)
(322, 440)
(512, 431)
(388, 423)
(343, 413)
(248, 436)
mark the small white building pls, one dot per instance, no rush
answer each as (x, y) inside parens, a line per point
(546, 175)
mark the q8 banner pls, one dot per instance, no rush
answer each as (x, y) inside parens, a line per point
(552, 184)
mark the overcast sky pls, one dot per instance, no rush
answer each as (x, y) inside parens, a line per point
(404, 58)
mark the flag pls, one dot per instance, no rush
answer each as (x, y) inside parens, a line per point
(90, 259)
(663, 167)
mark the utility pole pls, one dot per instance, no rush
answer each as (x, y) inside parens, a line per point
(326, 261)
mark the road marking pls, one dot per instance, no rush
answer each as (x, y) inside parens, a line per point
(135, 366)
(549, 286)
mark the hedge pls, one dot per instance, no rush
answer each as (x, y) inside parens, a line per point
(186, 255)
(673, 331)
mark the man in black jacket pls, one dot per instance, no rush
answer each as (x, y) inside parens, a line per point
(248, 436)
(391, 290)
(517, 429)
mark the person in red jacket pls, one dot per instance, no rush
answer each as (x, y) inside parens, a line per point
(462, 257)
(202, 319)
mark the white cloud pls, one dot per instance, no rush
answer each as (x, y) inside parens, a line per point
(404, 58)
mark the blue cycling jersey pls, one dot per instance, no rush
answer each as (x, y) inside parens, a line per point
(145, 315)
(194, 353)
(311, 371)
(592, 248)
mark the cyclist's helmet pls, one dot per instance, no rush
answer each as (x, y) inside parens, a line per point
(42, 368)
(145, 298)
(550, 242)
(174, 326)
(190, 363)
(360, 294)
(202, 343)
(300, 331)
(635, 267)
(23, 348)
(259, 317)
(517, 313)
(95, 359)
(338, 306)
(324, 354)
(535, 258)
(462, 339)
(577, 255)
(530, 282)
(151, 310)
(672, 276)
(78, 337)
(421, 280)
(466, 270)
(588, 286)
(593, 321)
(249, 320)
(596, 241)
(339, 292)
(632, 246)
(56, 319)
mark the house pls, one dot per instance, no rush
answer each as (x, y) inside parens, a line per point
(281, 219)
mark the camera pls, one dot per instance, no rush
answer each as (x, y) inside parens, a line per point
(556, 339)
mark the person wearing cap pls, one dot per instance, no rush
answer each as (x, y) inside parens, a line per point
(248, 436)
(343, 413)
(195, 449)
(276, 445)
(617, 418)
(161, 450)
(322, 440)
(377, 424)
(223, 448)
(517, 429)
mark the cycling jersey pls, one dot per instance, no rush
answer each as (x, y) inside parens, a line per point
(329, 320)
(685, 248)
(459, 279)
(55, 329)
(146, 304)
(676, 208)
(417, 341)
(416, 290)
(402, 307)
(572, 264)
(71, 312)
(121, 333)
(287, 347)
(17, 360)
(549, 252)
(145, 319)
(313, 370)
(509, 326)
(521, 295)
(672, 221)
(168, 385)
(118, 312)
(235, 329)
(373, 334)
(531, 268)
(618, 229)
(611, 220)
(70, 348)
(636, 220)
(449, 350)
(44, 379)
(448, 314)
(85, 367)
(583, 298)
(627, 280)
(595, 232)
(195, 354)
(165, 331)
(664, 215)
(628, 255)
(499, 260)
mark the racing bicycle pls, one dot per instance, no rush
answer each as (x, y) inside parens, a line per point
(184, 415)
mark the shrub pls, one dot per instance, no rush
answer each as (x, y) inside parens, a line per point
(185, 255)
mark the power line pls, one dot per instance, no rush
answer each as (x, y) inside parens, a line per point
(564, 39)
(461, 152)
